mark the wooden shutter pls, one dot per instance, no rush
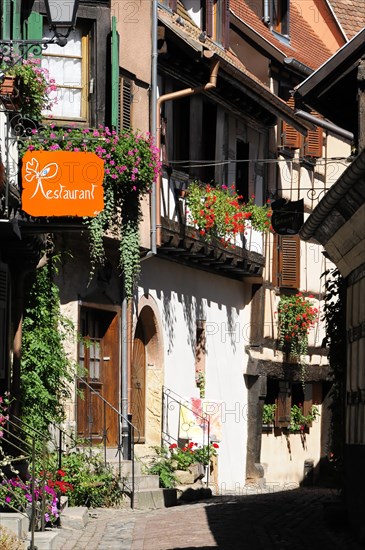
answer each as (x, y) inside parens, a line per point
(115, 75)
(126, 99)
(286, 261)
(3, 319)
(283, 405)
(291, 139)
(313, 145)
(209, 17)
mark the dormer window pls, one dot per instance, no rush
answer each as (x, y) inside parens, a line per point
(280, 16)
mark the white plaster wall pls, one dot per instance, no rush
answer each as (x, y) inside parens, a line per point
(184, 295)
(283, 456)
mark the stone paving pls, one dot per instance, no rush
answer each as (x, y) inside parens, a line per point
(297, 519)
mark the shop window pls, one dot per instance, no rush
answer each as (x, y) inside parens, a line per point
(286, 261)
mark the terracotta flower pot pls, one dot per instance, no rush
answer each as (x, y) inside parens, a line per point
(9, 92)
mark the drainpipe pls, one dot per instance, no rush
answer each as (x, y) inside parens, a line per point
(170, 97)
(266, 17)
(153, 250)
(124, 381)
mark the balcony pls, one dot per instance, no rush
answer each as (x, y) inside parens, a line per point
(181, 241)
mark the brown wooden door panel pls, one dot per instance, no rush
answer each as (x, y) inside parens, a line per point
(138, 394)
(100, 359)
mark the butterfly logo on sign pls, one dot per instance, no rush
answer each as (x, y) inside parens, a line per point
(32, 171)
(72, 186)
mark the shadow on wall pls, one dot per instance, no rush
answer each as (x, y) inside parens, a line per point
(196, 291)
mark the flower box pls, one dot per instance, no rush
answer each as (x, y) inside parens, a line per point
(9, 92)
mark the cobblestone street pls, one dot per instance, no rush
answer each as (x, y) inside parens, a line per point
(301, 519)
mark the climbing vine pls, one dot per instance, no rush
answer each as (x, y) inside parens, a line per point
(46, 371)
(131, 165)
(335, 321)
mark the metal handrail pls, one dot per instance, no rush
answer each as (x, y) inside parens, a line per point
(28, 451)
(132, 429)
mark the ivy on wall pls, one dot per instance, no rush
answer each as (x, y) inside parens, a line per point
(46, 371)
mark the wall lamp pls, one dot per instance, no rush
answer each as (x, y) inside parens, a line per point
(61, 15)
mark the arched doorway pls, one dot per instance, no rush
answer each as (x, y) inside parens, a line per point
(138, 383)
(147, 373)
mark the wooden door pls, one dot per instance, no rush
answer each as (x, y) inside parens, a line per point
(138, 393)
(99, 361)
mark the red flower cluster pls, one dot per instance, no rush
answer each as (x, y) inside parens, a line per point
(59, 484)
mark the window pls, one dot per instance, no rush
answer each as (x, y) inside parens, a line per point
(242, 169)
(200, 354)
(280, 16)
(69, 66)
(286, 261)
(284, 395)
(217, 21)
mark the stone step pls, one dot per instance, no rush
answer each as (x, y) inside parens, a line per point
(75, 517)
(15, 522)
(141, 482)
(155, 498)
(44, 540)
(126, 467)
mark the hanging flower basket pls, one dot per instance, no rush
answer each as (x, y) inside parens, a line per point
(9, 92)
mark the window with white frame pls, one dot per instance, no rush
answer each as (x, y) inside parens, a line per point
(69, 67)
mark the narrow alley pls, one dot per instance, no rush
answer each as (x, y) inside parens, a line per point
(300, 518)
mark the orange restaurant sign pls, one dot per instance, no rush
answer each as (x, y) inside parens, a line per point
(62, 183)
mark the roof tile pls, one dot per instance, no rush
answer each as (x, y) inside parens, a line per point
(350, 14)
(305, 46)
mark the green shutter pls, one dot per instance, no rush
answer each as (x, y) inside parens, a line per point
(34, 26)
(115, 75)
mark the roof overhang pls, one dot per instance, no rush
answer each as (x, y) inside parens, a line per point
(236, 74)
(332, 88)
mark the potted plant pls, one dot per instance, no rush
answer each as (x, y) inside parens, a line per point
(268, 415)
(298, 421)
(27, 87)
(218, 212)
(296, 317)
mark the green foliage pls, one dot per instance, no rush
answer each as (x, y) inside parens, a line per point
(92, 483)
(298, 422)
(35, 86)
(163, 466)
(296, 316)
(167, 460)
(335, 340)
(131, 165)
(45, 368)
(268, 413)
(219, 212)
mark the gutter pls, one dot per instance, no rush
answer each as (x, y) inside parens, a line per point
(326, 125)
